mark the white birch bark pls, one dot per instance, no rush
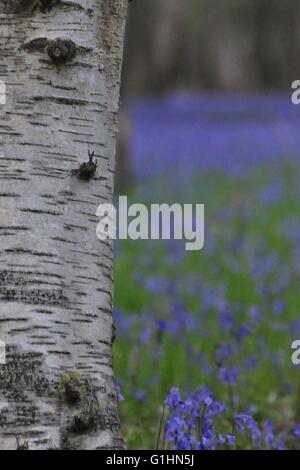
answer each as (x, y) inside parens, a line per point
(56, 278)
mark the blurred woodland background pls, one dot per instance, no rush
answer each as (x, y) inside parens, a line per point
(205, 45)
(211, 44)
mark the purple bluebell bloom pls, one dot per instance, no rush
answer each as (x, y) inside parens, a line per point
(229, 375)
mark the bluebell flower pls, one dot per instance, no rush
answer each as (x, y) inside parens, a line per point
(119, 394)
(296, 431)
(246, 422)
(173, 399)
(123, 322)
(269, 436)
(242, 332)
(216, 408)
(202, 394)
(229, 375)
(162, 325)
(223, 353)
(207, 401)
(251, 362)
(141, 395)
(226, 320)
(145, 335)
(255, 315)
(278, 307)
(230, 438)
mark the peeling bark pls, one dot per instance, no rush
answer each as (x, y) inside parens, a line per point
(61, 63)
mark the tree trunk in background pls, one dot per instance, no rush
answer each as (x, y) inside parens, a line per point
(61, 63)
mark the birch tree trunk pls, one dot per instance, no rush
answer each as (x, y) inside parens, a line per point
(61, 63)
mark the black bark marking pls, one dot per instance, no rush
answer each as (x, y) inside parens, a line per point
(38, 44)
(47, 5)
(27, 6)
(60, 50)
(22, 375)
(33, 296)
(16, 287)
(61, 100)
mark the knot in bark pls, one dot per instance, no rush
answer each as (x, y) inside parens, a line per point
(73, 391)
(61, 50)
(87, 170)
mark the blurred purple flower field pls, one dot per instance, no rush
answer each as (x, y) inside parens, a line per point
(232, 133)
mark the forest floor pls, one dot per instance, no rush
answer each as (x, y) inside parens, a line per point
(217, 324)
